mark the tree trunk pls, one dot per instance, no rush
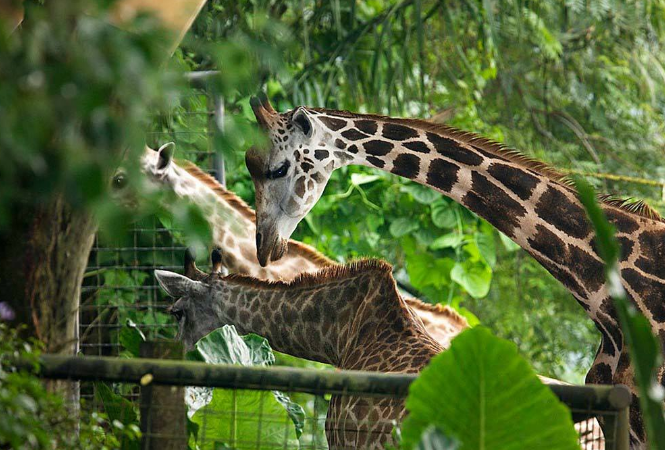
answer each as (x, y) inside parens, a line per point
(43, 255)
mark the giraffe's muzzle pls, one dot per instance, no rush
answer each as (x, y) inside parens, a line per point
(270, 246)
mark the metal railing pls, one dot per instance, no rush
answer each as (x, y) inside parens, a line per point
(163, 411)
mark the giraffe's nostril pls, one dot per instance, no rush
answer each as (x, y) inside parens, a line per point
(258, 240)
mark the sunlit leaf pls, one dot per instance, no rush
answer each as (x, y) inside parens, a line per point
(443, 215)
(475, 391)
(474, 276)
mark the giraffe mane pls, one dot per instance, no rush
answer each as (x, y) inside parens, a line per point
(238, 204)
(443, 310)
(639, 208)
(325, 275)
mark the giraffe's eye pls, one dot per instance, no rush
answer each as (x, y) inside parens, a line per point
(119, 181)
(279, 172)
(176, 312)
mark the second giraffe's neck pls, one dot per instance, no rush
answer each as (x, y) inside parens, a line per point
(320, 317)
(232, 224)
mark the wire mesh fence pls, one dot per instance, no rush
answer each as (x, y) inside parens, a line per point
(283, 407)
(119, 285)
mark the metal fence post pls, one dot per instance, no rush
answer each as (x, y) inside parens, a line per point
(215, 107)
(163, 410)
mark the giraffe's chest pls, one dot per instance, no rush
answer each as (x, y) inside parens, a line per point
(362, 422)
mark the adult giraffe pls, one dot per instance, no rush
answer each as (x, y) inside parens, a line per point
(525, 199)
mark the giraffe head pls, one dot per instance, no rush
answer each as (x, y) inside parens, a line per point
(153, 163)
(194, 308)
(291, 175)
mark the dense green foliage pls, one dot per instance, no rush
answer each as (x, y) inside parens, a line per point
(32, 418)
(75, 95)
(475, 393)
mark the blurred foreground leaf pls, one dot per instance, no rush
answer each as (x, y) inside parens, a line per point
(482, 392)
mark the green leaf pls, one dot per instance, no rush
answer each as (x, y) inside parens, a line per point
(422, 194)
(482, 392)
(453, 240)
(474, 276)
(487, 247)
(131, 337)
(443, 215)
(425, 269)
(120, 409)
(225, 346)
(239, 418)
(403, 226)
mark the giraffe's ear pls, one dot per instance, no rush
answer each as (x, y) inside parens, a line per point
(191, 271)
(177, 285)
(302, 122)
(165, 156)
(217, 265)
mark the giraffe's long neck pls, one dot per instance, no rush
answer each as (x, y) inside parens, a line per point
(331, 319)
(522, 199)
(233, 227)
(532, 209)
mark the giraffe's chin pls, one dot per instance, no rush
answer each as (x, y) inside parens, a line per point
(279, 249)
(270, 251)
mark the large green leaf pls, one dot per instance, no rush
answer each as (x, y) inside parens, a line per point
(243, 416)
(443, 214)
(482, 392)
(474, 276)
(425, 269)
(244, 419)
(225, 346)
(422, 194)
(403, 226)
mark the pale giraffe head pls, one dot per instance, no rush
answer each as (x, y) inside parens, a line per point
(291, 175)
(155, 164)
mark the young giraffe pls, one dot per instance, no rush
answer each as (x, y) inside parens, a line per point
(525, 199)
(233, 230)
(349, 316)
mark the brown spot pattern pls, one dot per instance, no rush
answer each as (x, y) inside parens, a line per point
(332, 123)
(555, 208)
(498, 207)
(442, 174)
(517, 180)
(398, 132)
(406, 165)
